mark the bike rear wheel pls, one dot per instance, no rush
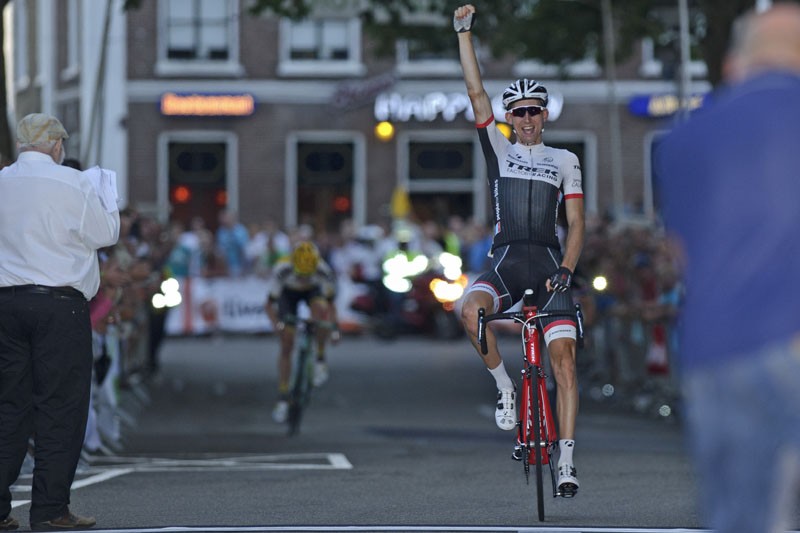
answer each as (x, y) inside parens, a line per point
(553, 468)
(294, 416)
(536, 437)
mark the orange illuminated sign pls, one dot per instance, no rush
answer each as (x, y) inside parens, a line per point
(198, 104)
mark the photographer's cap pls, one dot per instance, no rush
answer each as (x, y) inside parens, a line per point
(39, 128)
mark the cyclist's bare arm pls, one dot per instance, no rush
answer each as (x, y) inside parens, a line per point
(333, 317)
(481, 103)
(334, 312)
(576, 228)
(271, 308)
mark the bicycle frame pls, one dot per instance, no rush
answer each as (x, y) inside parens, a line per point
(534, 384)
(302, 380)
(537, 436)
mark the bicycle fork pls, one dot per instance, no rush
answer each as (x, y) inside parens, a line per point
(534, 379)
(526, 421)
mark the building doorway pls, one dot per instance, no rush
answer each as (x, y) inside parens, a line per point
(197, 181)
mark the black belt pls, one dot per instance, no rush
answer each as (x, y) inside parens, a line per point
(55, 292)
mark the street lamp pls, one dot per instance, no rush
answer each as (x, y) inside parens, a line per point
(615, 135)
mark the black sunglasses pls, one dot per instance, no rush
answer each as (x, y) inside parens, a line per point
(532, 110)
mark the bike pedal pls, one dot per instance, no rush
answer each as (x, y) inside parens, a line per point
(519, 451)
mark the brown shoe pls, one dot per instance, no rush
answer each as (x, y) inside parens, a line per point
(67, 522)
(8, 523)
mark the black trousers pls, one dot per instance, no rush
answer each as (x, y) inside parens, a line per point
(45, 383)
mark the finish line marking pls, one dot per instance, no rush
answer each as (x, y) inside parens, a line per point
(418, 529)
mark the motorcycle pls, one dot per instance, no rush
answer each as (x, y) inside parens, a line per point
(415, 295)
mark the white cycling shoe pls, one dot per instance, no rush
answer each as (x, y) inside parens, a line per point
(320, 373)
(280, 412)
(567, 480)
(506, 412)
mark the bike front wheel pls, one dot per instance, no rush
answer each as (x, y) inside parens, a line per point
(535, 442)
(300, 391)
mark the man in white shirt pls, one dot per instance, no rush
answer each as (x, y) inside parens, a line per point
(52, 222)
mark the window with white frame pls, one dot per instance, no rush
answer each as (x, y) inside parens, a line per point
(199, 37)
(420, 57)
(325, 179)
(444, 173)
(197, 174)
(321, 47)
(662, 61)
(586, 68)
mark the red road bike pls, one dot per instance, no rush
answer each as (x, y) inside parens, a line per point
(537, 436)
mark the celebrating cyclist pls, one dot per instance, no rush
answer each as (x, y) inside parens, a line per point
(528, 182)
(304, 277)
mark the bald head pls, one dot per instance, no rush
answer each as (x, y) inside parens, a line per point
(766, 40)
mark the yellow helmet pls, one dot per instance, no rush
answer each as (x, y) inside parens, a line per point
(305, 258)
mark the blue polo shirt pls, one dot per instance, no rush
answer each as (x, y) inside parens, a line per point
(729, 180)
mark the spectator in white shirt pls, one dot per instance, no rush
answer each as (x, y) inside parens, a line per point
(52, 222)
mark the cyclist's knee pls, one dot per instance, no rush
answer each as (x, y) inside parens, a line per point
(319, 308)
(562, 346)
(287, 345)
(562, 357)
(469, 318)
(473, 301)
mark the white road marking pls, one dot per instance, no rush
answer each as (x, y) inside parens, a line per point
(120, 465)
(91, 480)
(307, 461)
(102, 476)
(114, 466)
(420, 529)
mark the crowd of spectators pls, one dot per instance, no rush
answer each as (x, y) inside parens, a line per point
(629, 321)
(236, 250)
(127, 330)
(630, 317)
(632, 314)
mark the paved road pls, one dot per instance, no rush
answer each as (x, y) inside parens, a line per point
(401, 436)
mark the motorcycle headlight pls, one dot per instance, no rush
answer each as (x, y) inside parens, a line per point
(600, 283)
(170, 295)
(448, 291)
(397, 283)
(400, 266)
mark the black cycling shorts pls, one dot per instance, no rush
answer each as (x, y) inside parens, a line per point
(290, 300)
(520, 266)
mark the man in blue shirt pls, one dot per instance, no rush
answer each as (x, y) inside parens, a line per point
(730, 182)
(232, 239)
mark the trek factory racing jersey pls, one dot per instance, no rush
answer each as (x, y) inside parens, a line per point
(527, 185)
(284, 279)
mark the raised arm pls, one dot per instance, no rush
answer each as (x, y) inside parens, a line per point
(463, 19)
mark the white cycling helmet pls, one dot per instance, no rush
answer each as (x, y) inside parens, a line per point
(524, 89)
